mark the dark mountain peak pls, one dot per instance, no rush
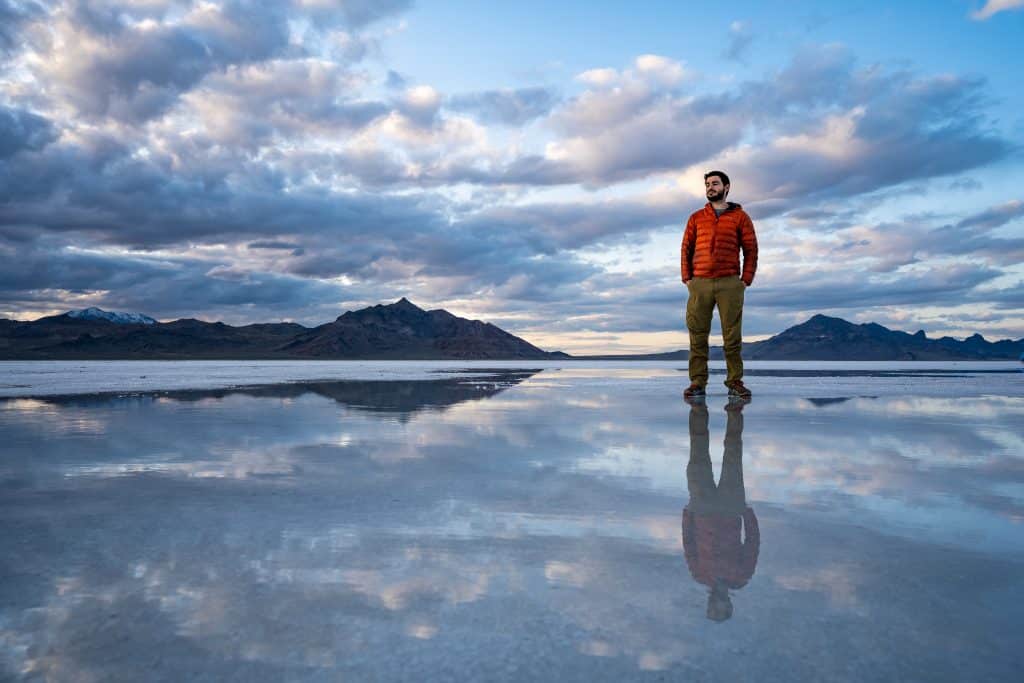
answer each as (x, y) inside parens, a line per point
(920, 334)
(818, 325)
(826, 321)
(402, 307)
(405, 303)
(193, 323)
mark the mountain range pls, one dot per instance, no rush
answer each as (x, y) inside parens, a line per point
(398, 331)
(832, 339)
(403, 331)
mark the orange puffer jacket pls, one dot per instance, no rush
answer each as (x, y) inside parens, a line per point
(714, 551)
(711, 245)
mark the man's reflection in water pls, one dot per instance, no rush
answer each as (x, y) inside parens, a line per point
(716, 518)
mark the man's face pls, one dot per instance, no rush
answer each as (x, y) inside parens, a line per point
(714, 188)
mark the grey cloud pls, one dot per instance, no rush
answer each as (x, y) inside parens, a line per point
(396, 81)
(829, 291)
(423, 113)
(113, 65)
(508, 107)
(272, 245)
(13, 16)
(134, 73)
(460, 259)
(816, 77)
(105, 194)
(996, 250)
(291, 99)
(667, 136)
(994, 217)
(898, 243)
(104, 190)
(526, 170)
(1010, 298)
(353, 13)
(740, 40)
(22, 130)
(555, 226)
(900, 128)
(41, 275)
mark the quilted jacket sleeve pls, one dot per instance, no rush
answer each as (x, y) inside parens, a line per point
(751, 543)
(686, 250)
(748, 243)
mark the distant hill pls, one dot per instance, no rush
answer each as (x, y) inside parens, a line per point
(826, 338)
(403, 330)
(400, 330)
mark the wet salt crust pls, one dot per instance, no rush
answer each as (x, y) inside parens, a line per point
(48, 378)
(481, 523)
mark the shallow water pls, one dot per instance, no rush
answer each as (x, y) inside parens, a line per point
(556, 524)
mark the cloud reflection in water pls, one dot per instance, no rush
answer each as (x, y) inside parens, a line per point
(522, 527)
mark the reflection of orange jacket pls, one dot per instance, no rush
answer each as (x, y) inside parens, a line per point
(714, 550)
(712, 244)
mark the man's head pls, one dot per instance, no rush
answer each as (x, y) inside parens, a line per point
(716, 185)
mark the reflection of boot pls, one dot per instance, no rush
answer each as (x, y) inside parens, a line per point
(735, 404)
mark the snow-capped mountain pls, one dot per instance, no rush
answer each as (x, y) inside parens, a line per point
(114, 317)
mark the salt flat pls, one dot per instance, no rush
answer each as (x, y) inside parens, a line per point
(48, 378)
(425, 521)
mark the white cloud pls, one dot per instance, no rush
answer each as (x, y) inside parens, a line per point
(599, 78)
(993, 7)
(662, 70)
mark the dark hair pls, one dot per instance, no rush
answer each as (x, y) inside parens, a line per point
(720, 174)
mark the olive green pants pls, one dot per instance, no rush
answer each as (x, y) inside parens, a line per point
(729, 497)
(705, 294)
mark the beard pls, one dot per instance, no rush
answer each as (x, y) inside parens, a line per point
(716, 196)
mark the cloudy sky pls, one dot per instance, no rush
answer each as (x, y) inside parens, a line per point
(524, 163)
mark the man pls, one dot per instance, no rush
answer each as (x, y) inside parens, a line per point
(721, 537)
(710, 265)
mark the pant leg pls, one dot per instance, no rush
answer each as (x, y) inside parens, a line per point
(731, 492)
(700, 306)
(700, 477)
(729, 293)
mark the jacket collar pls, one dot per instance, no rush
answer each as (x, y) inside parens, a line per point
(730, 206)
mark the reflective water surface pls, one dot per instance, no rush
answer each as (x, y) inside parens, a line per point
(528, 524)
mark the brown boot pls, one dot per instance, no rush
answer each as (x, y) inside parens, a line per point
(737, 389)
(694, 391)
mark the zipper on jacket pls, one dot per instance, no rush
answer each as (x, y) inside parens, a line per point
(714, 233)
